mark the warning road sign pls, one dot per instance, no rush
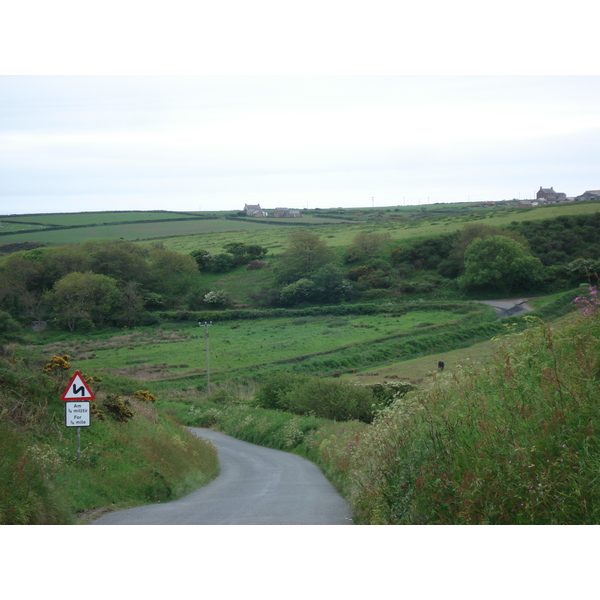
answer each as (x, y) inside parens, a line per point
(77, 389)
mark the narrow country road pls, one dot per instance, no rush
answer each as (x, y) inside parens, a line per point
(509, 308)
(256, 486)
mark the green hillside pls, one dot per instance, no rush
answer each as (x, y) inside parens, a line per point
(339, 303)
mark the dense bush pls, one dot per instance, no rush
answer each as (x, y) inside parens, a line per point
(562, 239)
(10, 330)
(335, 400)
(500, 264)
(304, 395)
(273, 391)
(94, 283)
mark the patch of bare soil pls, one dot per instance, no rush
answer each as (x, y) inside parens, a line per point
(150, 372)
(84, 349)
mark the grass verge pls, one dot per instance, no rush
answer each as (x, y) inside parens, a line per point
(142, 459)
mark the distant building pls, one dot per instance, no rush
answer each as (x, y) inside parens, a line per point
(254, 210)
(286, 212)
(549, 195)
(589, 195)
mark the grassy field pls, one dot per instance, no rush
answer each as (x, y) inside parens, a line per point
(423, 370)
(339, 234)
(97, 218)
(131, 231)
(246, 347)
(211, 234)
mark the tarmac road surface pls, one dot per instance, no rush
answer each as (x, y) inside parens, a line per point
(509, 308)
(256, 486)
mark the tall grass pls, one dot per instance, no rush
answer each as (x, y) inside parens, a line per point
(148, 458)
(514, 443)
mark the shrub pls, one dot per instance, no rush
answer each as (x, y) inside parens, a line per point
(144, 396)
(58, 364)
(10, 330)
(336, 400)
(300, 291)
(217, 299)
(272, 393)
(387, 392)
(117, 408)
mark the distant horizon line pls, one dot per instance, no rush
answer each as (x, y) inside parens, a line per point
(352, 208)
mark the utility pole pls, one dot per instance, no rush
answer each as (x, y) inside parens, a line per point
(206, 326)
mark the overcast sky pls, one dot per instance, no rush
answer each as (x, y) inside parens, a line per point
(296, 135)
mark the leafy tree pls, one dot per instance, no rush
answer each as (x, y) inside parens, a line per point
(330, 285)
(274, 389)
(236, 254)
(221, 263)
(58, 261)
(255, 252)
(366, 246)
(238, 249)
(84, 296)
(244, 253)
(132, 302)
(10, 330)
(305, 254)
(303, 290)
(202, 258)
(582, 270)
(123, 260)
(336, 400)
(17, 279)
(172, 274)
(501, 264)
(424, 254)
(216, 299)
(475, 231)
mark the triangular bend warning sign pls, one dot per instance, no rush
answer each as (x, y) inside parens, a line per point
(77, 389)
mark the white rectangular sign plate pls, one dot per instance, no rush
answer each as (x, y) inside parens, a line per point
(77, 414)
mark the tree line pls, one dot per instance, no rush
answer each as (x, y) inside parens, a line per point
(94, 282)
(119, 282)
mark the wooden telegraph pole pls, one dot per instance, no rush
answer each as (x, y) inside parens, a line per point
(206, 326)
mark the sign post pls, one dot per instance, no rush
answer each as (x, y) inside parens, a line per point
(77, 396)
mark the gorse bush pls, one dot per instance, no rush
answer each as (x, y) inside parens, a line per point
(118, 408)
(144, 396)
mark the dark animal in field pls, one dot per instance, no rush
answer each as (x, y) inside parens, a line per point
(441, 366)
